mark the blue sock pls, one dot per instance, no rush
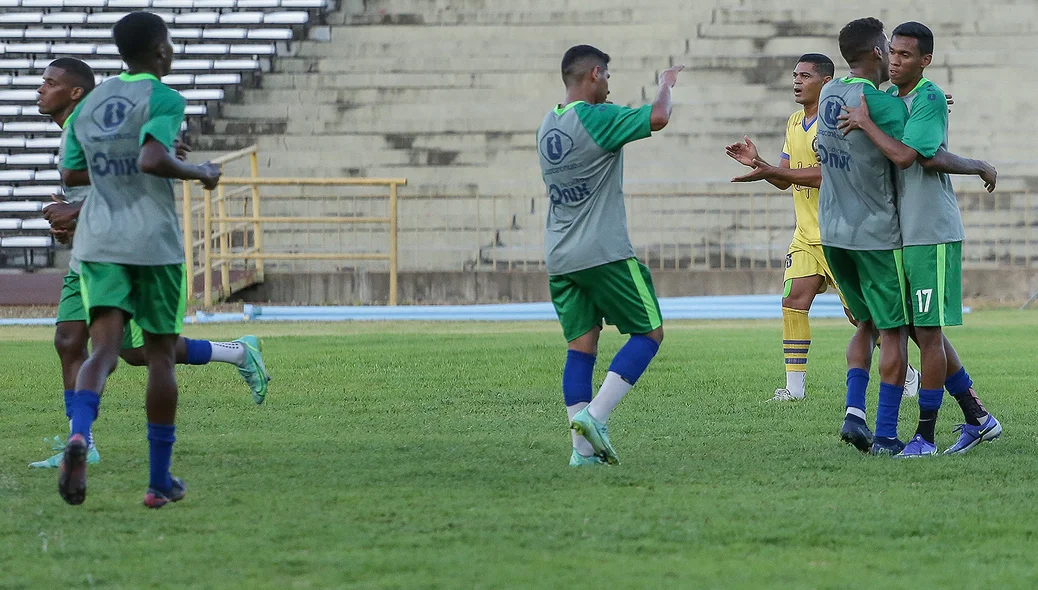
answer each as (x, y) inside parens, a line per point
(857, 383)
(199, 352)
(576, 377)
(930, 399)
(634, 358)
(888, 408)
(85, 404)
(958, 383)
(160, 440)
(70, 395)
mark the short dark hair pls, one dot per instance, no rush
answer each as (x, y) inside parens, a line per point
(823, 65)
(858, 38)
(81, 74)
(137, 34)
(918, 31)
(579, 60)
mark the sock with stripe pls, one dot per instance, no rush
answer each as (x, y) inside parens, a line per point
(203, 352)
(576, 392)
(857, 383)
(796, 340)
(625, 370)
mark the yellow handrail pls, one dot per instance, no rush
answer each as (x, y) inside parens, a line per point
(214, 211)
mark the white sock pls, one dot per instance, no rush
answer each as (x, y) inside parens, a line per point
(856, 412)
(614, 388)
(795, 382)
(228, 352)
(579, 442)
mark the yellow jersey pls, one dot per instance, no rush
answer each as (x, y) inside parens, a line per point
(801, 149)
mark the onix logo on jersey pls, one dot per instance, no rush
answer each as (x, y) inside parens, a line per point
(111, 113)
(102, 165)
(564, 195)
(555, 146)
(829, 111)
(834, 158)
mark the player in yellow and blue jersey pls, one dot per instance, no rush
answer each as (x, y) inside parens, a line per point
(807, 272)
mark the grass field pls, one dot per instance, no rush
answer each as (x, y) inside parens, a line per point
(435, 456)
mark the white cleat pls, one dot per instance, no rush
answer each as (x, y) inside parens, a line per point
(784, 395)
(912, 380)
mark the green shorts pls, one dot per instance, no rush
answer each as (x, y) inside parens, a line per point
(872, 283)
(154, 296)
(934, 275)
(71, 309)
(621, 292)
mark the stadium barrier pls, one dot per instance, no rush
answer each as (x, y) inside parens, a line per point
(251, 253)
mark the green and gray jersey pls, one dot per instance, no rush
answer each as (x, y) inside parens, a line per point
(72, 194)
(582, 163)
(130, 217)
(857, 204)
(929, 210)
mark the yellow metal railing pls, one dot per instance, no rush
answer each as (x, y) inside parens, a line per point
(226, 224)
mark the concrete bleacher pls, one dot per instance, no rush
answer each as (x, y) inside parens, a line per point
(222, 47)
(448, 93)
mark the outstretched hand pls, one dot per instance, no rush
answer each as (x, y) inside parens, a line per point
(743, 153)
(670, 75)
(761, 171)
(854, 117)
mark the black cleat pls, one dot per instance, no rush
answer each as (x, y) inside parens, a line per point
(887, 446)
(857, 434)
(72, 471)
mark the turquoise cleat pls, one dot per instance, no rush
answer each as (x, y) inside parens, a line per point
(252, 370)
(52, 462)
(578, 460)
(597, 434)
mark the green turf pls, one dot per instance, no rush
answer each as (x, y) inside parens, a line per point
(435, 456)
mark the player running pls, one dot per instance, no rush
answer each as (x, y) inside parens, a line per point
(130, 242)
(932, 230)
(66, 81)
(807, 272)
(861, 235)
(593, 273)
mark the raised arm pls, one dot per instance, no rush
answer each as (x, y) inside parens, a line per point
(661, 107)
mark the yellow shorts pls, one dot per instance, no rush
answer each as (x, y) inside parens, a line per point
(805, 260)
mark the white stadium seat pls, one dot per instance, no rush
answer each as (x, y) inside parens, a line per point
(27, 242)
(223, 34)
(84, 3)
(28, 18)
(33, 34)
(41, 3)
(183, 33)
(129, 4)
(31, 160)
(286, 18)
(197, 18)
(258, 3)
(43, 143)
(38, 190)
(26, 48)
(10, 224)
(18, 95)
(242, 18)
(202, 94)
(192, 64)
(48, 175)
(178, 79)
(213, 3)
(217, 79)
(270, 34)
(177, 4)
(11, 33)
(6, 191)
(10, 111)
(10, 3)
(204, 49)
(302, 3)
(252, 49)
(20, 206)
(90, 34)
(64, 18)
(15, 64)
(12, 143)
(36, 224)
(235, 64)
(195, 110)
(22, 127)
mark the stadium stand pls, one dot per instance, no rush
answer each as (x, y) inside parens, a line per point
(222, 47)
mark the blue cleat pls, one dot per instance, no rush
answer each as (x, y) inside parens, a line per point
(971, 436)
(157, 498)
(857, 434)
(918, 447)
(887, 446)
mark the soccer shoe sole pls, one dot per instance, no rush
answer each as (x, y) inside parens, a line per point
(156, 501)
(857, 439)
(988, 436)
(72, 472)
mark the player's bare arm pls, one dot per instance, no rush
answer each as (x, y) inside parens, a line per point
(662, 106)
(156, 160)
(746, 153)
(904, 156)
(783, 175)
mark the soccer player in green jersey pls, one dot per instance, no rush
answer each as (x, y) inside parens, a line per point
(66, 81)
(593, 273)
(130, 243)
(932, 231)
(861, 236)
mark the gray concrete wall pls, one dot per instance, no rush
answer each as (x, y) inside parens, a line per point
(372, 288)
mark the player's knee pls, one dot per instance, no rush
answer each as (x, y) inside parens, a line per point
(134, 357)
(70, 342)
(657, 335)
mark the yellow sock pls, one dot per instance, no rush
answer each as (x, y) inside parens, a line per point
(796, 340)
